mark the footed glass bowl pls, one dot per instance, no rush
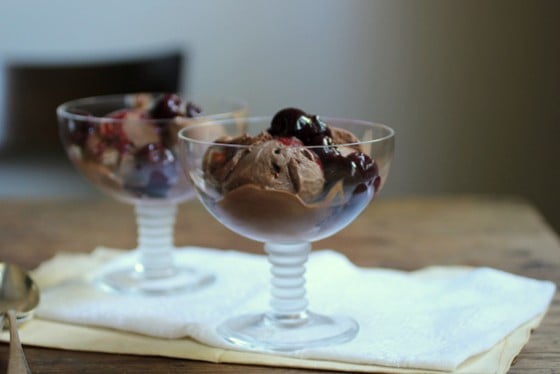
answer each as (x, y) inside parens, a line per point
(127, 147)
(274, 189)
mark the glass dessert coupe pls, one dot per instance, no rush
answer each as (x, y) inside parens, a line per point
(126, 146)
(258, 177)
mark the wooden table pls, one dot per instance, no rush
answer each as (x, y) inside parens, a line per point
(405, 234)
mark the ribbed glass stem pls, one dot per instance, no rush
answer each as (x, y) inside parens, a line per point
(288, 300)
(156, 224)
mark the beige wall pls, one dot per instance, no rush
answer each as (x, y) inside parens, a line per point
(479, 88)
(472, 87)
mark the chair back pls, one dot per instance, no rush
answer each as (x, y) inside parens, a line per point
(33, 92)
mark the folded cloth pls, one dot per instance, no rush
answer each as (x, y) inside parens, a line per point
(434, 319)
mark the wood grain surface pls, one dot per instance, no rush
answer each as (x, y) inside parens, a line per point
(408, 234)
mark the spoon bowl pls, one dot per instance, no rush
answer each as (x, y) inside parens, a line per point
(18, 294)
(17, 290)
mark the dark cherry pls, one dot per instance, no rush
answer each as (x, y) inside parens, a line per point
(157, 162)
(319, 128)
(357, 170)
(365, 172)
(158, 184)
(284, 121)
(295, 122)
(167, 106)
(154, 153)
(363, 167)
(321, 139)
(192, 110)
(328, 151)
(335, 166)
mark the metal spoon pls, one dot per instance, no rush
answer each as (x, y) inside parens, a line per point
(18, 293)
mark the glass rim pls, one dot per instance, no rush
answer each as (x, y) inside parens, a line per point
(63, 110)
(390, 131)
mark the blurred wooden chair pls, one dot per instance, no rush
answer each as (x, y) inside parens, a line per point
(34, 91)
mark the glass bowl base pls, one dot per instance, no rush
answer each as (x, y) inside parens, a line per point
(126, 279)
(260, 332)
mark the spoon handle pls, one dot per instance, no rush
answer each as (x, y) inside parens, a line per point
(17, 364)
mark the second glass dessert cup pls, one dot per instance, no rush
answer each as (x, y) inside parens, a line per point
(127, 146)
(286, 195)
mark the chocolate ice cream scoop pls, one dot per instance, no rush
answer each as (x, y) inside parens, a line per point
(273, 165)
(220, 160)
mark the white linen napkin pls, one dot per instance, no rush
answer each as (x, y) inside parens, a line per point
(435, 318)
